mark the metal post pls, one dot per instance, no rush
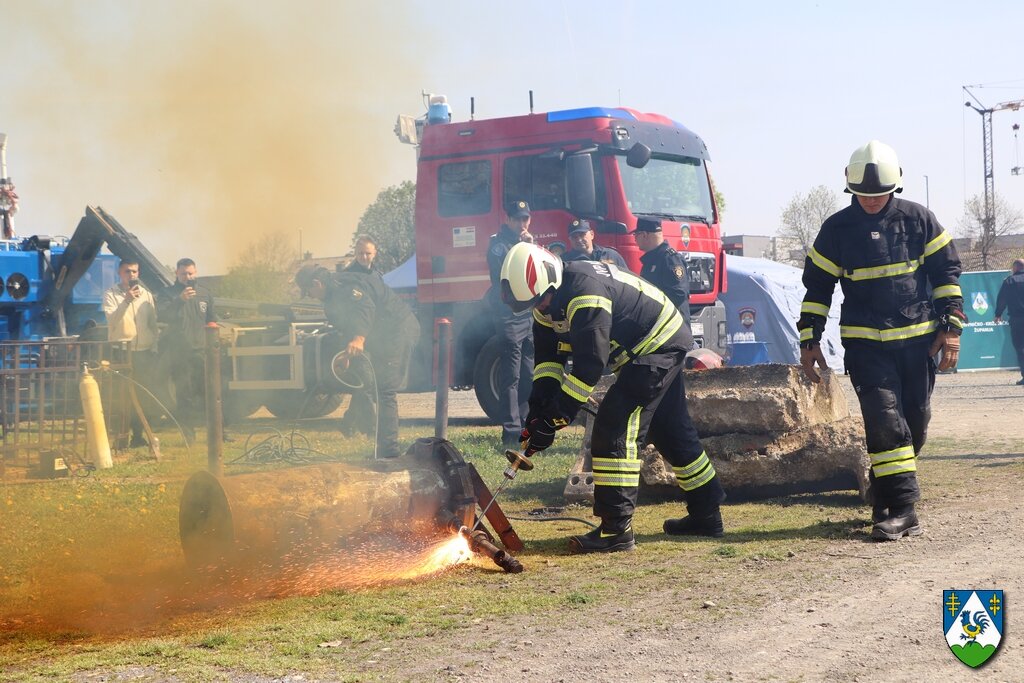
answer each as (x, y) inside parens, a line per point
(444, 365)
(214, 409)
(927, 203)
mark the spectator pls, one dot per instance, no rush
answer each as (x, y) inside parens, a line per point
(1011, 299)
(582, 237)
(361, 414)
(661, 265)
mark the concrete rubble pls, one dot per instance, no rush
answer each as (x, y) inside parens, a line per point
(767, 430)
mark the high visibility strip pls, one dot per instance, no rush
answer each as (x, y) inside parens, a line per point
(891, 334)
(939, 242)
(616, 471)
(696, 474)
(895, 454)
(955, 322)
(901, 467)
(601, 479)
(947, 290)
(632, 432)
(616, 465)
(664, 318)
(813, 308)
(699, 480)
(553, 370)
(542, 319)
(807, 334)
(673, 325)
(693, 467)
(823, 263)
(587, 301)
(889, 270)
(576, 388)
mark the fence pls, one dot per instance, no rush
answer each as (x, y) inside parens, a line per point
(40, 407)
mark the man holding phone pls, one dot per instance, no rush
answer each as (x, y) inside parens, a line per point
(131, 318)
(186, 308)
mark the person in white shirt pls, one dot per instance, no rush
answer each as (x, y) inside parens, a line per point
(131, 318)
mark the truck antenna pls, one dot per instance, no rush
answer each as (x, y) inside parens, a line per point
(472, 108)
(531, 101)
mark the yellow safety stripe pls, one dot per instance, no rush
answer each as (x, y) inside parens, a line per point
(939, 242)
(891, 334)
(552, 370)
(816, 309)
(947, 290)
(587, 301)
(888, 270)
(564, 347)
(693, 467)
(616, 464)
(823, 263)
(542, 319)
(895, 454)
(955, 322)
(579, 390)
(807, 334)
(632, 432)
(699, 480)
(900, 467)
(625, 480)
(674, 323)
(616, 472)
(696, 474)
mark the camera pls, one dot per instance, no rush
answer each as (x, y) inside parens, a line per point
(133, 283)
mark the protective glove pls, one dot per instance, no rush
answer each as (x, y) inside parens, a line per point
(539, 433)
(949, 344)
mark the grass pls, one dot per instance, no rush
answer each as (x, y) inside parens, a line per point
(64, 542)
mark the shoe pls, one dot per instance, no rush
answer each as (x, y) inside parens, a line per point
(138, 441)
(895, 528)
(707, 525)
(599, 541)
(879, 514)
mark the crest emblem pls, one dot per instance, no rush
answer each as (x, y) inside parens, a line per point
(747, 317)
(356, 294)
(979, 302)
(678, 270)
(684, 234)
(972, 621)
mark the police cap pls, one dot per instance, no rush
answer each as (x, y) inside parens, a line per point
(647, 225)
(579, 225)
(519, 209)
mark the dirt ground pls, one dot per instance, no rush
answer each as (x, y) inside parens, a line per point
(870, 612)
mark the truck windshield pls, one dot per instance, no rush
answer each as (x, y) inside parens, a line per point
(673, 188)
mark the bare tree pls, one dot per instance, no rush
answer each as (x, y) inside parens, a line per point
(801, 220)
(1008, 220)
(262, 271)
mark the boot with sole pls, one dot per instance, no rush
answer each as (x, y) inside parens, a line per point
(896, 527)
(879, 514)
(601, 541)
(693, 525)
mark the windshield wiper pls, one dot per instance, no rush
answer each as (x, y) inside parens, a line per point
(675, 216)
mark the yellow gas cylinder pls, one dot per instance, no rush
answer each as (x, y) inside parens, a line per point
(95, 426)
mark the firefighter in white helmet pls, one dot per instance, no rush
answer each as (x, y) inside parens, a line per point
(902, 305)
(602, 316)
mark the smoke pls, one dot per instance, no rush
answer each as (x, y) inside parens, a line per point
(199, 125)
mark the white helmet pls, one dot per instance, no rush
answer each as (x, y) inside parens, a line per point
(874, 171)
(528, 273)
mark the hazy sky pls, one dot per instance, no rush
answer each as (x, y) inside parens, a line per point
(202, 125)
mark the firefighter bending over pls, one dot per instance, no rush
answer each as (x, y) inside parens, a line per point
(600, 315)
(900, 277)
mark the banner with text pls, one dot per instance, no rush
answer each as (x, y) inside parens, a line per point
(985, 345)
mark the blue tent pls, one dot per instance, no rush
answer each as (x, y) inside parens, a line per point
(763, 305)
(402, 278)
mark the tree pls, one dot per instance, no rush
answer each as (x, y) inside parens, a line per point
(262, 271)
(801, 220)
(389, 221)
(1008, 220)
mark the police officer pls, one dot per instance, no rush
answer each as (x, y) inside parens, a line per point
(513, 329)
(364, 254)
(371, 319)
(1011, 298)
(361, 414)
(902, 305)
(600, 315)
(582, 237)
(662, 266)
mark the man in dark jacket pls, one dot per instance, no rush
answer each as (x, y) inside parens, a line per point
(661, 265)
(581, 234)
(902, 305)
(186, 308)
(361, 414)
(1011, 299)
(371, 320)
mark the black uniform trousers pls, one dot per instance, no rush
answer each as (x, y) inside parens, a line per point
(1017, 337)
(390, 359)
(516, 335)
(647, 404)
(894, 387)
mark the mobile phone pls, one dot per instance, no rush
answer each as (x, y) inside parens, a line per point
(191, 282)
(134, 282)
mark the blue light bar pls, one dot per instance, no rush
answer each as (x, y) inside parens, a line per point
(589, 113)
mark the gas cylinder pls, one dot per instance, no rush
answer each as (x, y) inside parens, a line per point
(95, 426)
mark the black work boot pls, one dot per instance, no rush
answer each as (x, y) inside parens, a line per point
(604, 539)
(707, 524)
(902, 521)
(879, 513)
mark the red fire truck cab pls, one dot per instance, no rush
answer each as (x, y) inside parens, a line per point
(608, 165)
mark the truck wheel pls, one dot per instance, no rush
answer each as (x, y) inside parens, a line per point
(291, 405)
(238, 405)
(485, 381)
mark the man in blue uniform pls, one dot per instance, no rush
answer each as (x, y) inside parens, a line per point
(582, 237)
(599, 316)
(1011, 298)
(663, 266)
(513, 329)
(902, 305)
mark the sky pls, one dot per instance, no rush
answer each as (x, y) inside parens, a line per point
(203, 126)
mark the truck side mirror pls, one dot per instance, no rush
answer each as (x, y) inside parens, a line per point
(638, 155)
(580, 184)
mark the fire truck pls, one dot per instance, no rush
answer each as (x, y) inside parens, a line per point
(610, 166)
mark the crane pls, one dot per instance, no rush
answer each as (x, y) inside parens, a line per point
(986, 134)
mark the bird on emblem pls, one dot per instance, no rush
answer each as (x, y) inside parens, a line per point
(972, 631)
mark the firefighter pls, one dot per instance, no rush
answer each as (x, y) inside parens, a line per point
(663, 266)
(602, 316)
(513, 329)
(371, 319)
(1011, 298)
(582, 237)
(902, 305)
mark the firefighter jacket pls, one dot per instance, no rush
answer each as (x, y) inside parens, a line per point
(1011, 297)
(665, 267)
(601, 316)
(602, 254)
(899, 271)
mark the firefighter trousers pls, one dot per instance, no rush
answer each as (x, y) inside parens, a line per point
(647, 404)
(894, 387)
